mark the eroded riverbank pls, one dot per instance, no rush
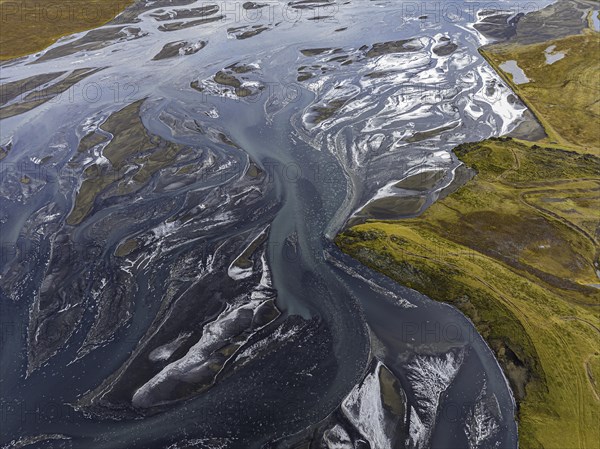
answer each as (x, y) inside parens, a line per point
(516, 248)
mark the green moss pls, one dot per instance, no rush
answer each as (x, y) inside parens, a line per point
(129, 133)
(89, 141)
(134, 155)
(518, 270)
(325, 112)
(126, 248)
(227, 80)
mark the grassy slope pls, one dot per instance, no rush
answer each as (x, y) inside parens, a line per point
(565, 95)
(515, 248)
(29, 26)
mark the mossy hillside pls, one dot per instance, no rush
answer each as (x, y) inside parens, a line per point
(519, 267)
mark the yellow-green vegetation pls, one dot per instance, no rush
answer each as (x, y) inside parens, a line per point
(90, 140)
(227, 79)
(132, 158)
(29, 26)
(513, 251)
(126, 248)
(517, 248)
(564, 95)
